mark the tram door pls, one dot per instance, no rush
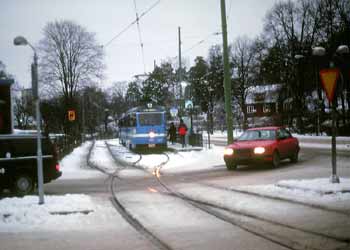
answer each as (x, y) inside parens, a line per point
(5, 107)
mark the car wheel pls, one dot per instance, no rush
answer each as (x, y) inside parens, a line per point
(294, 158)
(231, 166)
(23, 184)
(276, 159)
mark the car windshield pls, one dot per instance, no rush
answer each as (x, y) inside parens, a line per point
(251, 135)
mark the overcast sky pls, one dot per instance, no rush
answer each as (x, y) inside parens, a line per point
(198, 20)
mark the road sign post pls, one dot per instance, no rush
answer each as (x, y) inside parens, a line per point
(329, 79)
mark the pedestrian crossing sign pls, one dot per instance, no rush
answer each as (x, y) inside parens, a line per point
(329, 79)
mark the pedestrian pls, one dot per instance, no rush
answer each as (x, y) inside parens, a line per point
(182, 132)
(172, 133)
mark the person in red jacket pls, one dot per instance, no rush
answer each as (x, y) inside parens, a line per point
(182, 132)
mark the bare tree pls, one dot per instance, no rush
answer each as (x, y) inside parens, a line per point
(70, 58)
(293, 27)
(242, 54)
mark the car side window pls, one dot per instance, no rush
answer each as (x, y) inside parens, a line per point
(279, 134)
(283, 134)
(288, 134)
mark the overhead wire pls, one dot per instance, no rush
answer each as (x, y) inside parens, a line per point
(140, 37)
(132, 23)
(201, 41)
(197, 44)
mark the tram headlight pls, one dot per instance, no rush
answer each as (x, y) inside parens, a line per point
(151, 134)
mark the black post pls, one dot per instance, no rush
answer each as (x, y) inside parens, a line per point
(334, 177)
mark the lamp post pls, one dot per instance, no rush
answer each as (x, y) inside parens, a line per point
(299, 89)
(19, 41)
(320, 51)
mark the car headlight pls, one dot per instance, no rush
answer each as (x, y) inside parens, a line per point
(152, 134)
(259, 150)
(228, 151)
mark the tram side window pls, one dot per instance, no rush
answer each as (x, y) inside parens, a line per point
(128, 121)
(132, 121)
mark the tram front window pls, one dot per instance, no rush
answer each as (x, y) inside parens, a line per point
(151, 119)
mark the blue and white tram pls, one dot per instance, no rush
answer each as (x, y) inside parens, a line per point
(143, 127)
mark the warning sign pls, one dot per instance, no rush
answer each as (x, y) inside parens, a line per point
(329, 79)
(71, 115)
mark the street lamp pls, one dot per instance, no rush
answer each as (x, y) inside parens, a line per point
(298, 90)
(21, 41)
(320, 51)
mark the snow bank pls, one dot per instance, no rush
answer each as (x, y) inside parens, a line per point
(58, 213)
(317, 192)
(74, 165)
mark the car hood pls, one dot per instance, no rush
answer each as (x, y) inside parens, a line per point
(251, 144)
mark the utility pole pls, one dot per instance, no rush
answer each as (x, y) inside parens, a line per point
(38, 129)
(83, 117)
(227, 78)
(180, 66)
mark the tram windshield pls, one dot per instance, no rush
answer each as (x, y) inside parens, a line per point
(150, 119)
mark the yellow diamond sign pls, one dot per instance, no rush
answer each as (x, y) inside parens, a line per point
(329, 79)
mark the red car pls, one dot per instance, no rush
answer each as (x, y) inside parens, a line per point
(262, 145)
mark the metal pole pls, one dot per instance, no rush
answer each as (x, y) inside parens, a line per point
(227, 81)
(83, 117)
(334, 177)
(180, 66)
(208, 131)
(38, 129)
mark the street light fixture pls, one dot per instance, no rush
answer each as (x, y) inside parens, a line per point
(21, 41)
(318, 51)
(343, 49)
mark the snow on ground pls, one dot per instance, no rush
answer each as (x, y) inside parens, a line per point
(73, 166)
(343, 147)
(319, 192)
(58, 213)
(187, 159)
(101, 157)
(321, 185)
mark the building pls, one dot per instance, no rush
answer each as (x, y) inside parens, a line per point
(263, 106)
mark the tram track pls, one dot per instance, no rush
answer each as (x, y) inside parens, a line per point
(214, 210)
(134, 222)
(222, 213)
